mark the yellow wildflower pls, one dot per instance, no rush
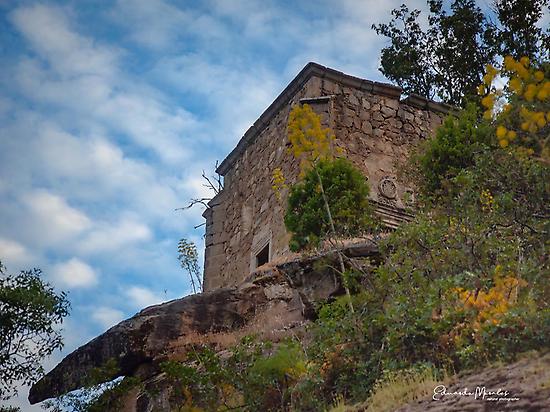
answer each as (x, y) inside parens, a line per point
(488, 101)
(501, 132)
(509, 63)
(515, 85)
(530, 92)
(539, 118)
(481, 89)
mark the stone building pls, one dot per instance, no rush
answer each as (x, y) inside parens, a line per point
(375, 130)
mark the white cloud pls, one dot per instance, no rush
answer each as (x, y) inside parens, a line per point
(74, 273)
(111, 236)
(47, 28)
(84, 77)
(52, 217)
(161, 24)
(142, 297)
(236, 99)
(13, 254)
(107, 317)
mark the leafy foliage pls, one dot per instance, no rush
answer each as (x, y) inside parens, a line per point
(448, 59)
(30, 311)
(347, 192)
(520, 35)
(9, 409)
(452, 149)
(96, 396)
(253, 377)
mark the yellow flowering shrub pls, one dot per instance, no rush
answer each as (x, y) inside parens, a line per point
(487, 200)
(310, 142)
(524, 121)
(487, 306)
(279, 182)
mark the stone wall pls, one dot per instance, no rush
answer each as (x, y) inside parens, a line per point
(374, 129)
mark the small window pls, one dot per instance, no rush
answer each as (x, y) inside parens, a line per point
(263, 256)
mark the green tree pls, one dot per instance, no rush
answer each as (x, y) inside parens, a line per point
(518, 31)
(448, 59)
(452, 149)
(30, 310)
(332, 201)
(346, 193)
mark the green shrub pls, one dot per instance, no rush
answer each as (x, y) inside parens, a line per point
(453, 149)
(346, 191)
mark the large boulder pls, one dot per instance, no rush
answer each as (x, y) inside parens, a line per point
(273, 302)
(146, 337)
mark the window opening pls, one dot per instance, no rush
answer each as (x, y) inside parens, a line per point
(263, 256)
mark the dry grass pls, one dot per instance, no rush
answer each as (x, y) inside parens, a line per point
(395, 391)
(402, 388)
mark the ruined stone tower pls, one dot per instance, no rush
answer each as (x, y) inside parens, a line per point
(375, 130)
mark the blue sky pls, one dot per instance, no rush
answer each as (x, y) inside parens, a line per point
(109, 112)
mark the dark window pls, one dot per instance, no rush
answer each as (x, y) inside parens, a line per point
(263, 257)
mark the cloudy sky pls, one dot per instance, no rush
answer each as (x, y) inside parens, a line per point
(110, 110)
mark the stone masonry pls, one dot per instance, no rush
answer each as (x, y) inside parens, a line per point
(373, 127)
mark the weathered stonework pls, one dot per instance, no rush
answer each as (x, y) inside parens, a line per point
(373, 128)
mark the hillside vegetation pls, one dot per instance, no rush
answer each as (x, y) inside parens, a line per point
(464, 284)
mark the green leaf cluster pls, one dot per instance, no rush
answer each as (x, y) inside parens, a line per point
(452, 150)
(346, 191)
(447, 59)
(30, 311)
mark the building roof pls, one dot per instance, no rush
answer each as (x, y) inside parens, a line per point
(314, 69)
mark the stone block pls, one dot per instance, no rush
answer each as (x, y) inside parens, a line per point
(216, 249)
(391, 103)
(365, 103)
(353, 100)
(387, 111)
(366, 127)
(378, 116)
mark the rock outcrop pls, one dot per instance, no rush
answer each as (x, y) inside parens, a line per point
(273, 302)
(522, 386)
(138, 342)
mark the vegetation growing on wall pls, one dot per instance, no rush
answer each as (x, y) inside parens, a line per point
(188, 256)
(346, 191)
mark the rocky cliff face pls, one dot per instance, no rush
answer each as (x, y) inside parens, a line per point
(273, 302)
